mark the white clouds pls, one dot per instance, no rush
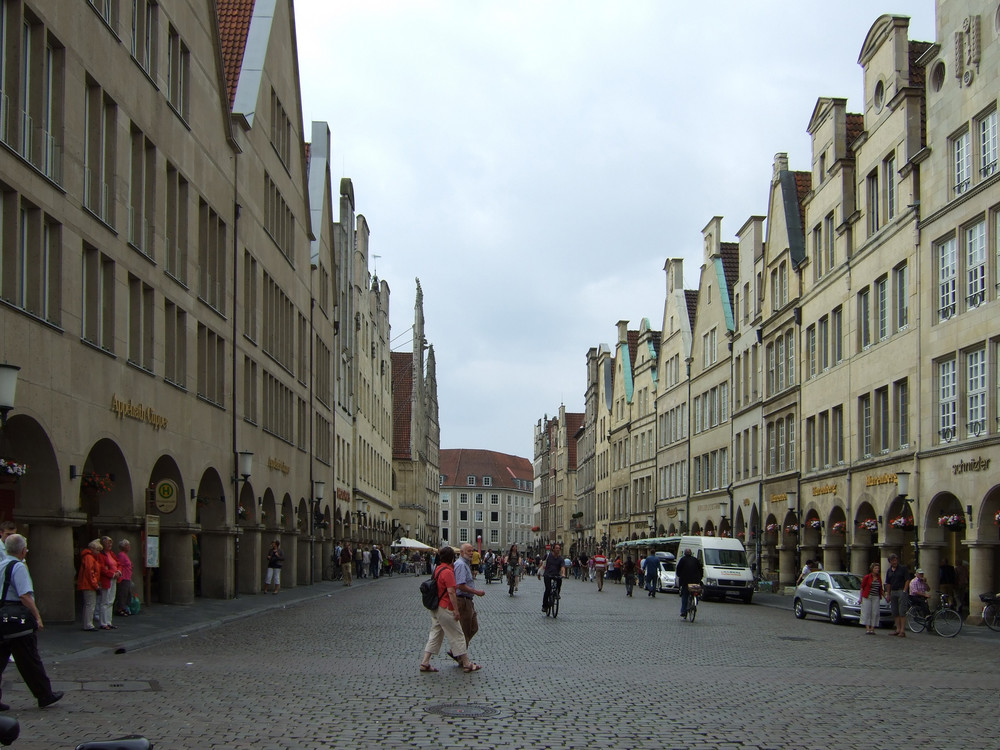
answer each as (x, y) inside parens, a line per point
(536, 163)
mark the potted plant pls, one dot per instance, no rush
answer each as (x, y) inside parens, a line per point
(96, 483)
(772, 528)
(241, 513)
(11, 471)
(902, 522)
(869, 524)
(741, 535)
(996, 518)
(814, 523)
(952, 521)
(792, 529)
(839, 527)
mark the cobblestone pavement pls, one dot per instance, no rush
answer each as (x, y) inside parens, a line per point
(328, 666)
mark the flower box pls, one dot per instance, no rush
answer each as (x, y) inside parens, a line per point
(952, 522)
(839, 527)
(814, 523)
(12, 469)
(792, 529)
(902, 522)
(772, 528)
(97, 483)
(869, 524)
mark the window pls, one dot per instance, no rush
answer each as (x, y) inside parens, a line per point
(828, 236)
(495, 516)
(872, 202)
(479, 516)
(975, 264)
(790, 353)
(463, 498)
(249, 390)
(249, 296)
(902, 406)
(98, 298)
(31, 265)
(782, 445)
(32, 82)
(470, 481)
(824, 439)
(901, 291)
(178, 73)
(100, 116)
(281, 130)
(864, 318)
(709, 347)
(176, 230)
(211, 257)
(444, 515)
(865, 421)
(175, 347)
(824, 343)
(279, 222)
(961, 153)
(487, 481)
(140, 323)
(889, 177)
(144, 35)
(882, 308)
(811, 352)
(988, 144)
(494, 536)
(212, 369)
(947, 266)
(837, 335)
(479, 498)
(947, 388)
(494, 499)
(108, 11)
(142, 193)
(463, 515)
(818, 250)
(882, 423)
(463, 535)
(975, 386)
(837, 434)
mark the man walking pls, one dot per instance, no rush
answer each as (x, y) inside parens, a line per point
(895, 584)
(600, 565)
(466, 594)
(376, 562)
(651, 565)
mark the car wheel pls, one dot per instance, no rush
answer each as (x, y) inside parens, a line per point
(748, 597)
(800, 611)
(835, 617)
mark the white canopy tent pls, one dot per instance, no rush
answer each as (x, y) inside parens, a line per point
(404, 542)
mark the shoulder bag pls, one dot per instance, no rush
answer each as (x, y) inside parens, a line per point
(16, 620)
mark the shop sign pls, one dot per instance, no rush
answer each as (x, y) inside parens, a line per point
(139, 412)
(278, 465)
(824, 489)
(343, 494)
(874, 480)
(973, 464)
(780, 498)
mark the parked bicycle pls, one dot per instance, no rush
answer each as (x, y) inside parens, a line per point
(991, 612)
(945, 620)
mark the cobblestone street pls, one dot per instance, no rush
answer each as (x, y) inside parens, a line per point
(339, 669)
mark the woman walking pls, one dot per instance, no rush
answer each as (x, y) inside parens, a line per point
(871, 595)
(444, 619)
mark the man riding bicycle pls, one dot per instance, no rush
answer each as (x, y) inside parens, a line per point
(554, 567)
(689, 570)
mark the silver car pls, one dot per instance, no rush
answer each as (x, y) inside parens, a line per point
(835, 595)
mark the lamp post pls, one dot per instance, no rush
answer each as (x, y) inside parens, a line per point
(793, 500)
(723, 506)
(244, 467)
(8, 389)
(903, 489)
(319, 492)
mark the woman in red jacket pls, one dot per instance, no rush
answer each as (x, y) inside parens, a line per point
(109, 583)
(88, 580)
(872, 590)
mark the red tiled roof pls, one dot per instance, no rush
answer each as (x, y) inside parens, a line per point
(633, 348)
(574, 421)
(855, 127)
(459, 463)
(730, 252)
(917, 80)
(803, 184)
(691, 297)
(234, 25)
(402, 404)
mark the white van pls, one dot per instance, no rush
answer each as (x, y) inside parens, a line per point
(726, 570)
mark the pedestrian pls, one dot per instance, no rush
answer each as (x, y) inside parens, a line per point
(346, 562)
(466, 594)
(553, 569)
(359, 567)
(88, 580)
(651, 566)
(109, 584)
(445, 619)
(124, 596)
(871, 597)
(806, 570)
(366, 562)
(274, 559)
(630, 574)
(600, 566)
(24, 649)
(895, 584)
(513, 568)
(917, 588)
(591, 574)
(376, 562)
(689, 570)
(476, 564)
(946, 580)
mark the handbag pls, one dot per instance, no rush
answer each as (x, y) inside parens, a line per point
(16, 620)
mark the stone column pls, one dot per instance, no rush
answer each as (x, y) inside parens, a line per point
(980, 577)
(326, 554)
(930, 563)
(832, 557)
(787, 574)
(52, 560)
(250, 556)
(302, 559)
(177, 564)
(217, 574)
(289, 569)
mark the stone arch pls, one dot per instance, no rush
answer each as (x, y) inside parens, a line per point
(740, 525)
(696, 529)
(103, 508)
(24, 441)
(988, 519)
(215, 520)
(709, 529)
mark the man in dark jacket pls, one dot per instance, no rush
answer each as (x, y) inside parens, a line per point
(689, 570)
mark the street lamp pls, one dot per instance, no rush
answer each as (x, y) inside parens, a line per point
(319, 492)
(244, 467)
(793, 500)
(8, 387)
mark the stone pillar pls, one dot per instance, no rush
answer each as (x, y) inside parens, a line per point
(981, 578)
(289, 569)
(52, 561)
(832, 559)
(302, 559)
(326, 557)
(930, 563)
(217, 554)
(177, 565)
(787, 574)
(250, 556)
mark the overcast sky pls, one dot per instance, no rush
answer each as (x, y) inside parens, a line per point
(536, 163)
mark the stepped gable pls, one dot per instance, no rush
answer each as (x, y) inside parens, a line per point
(234, 25)
(402, 404)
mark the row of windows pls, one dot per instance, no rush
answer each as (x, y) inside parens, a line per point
(673, 425)
(463, 516)
(975, 144)
(518, 501)
(711, 408)
(823, 344)
(710, 471)
(965, 267)
(881, 310)
(963, 389)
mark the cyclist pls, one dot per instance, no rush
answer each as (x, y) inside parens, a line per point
(689, 570)
(553, 567)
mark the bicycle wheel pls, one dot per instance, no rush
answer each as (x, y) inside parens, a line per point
(991, 616)
(915, 620)
(692, 608)
(947, 623)
(555, 603)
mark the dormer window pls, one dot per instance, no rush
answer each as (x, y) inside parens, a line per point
(470, 481)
